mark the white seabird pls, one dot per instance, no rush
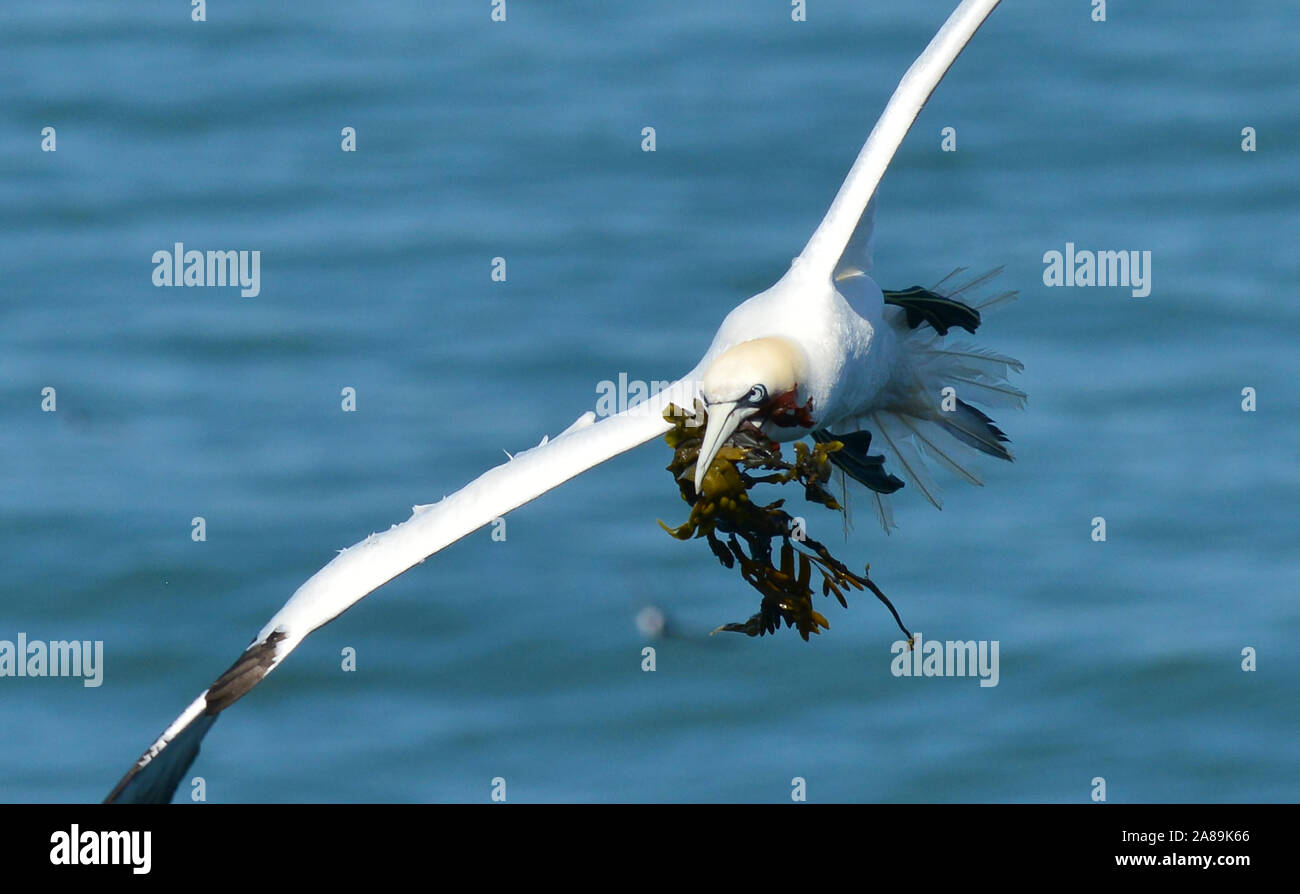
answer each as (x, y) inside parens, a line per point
(822, 352)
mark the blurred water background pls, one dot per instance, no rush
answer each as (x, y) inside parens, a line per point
(520, 659)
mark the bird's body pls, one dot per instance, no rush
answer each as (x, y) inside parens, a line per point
(863, 367)
(851, 353)
(822, 353)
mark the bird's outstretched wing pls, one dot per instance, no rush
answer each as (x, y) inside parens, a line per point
(840, 246)
(363, 567)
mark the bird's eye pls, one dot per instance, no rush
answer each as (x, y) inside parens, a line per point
(757, 394)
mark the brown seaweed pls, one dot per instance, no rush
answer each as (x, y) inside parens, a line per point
(774, 554)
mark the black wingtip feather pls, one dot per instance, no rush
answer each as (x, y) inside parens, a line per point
(855, 462)
(984, 445)
(942, 313)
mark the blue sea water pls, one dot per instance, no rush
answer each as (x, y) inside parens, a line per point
(520, 659)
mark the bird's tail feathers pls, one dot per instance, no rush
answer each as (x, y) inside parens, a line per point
(931, 412)
(984, 303)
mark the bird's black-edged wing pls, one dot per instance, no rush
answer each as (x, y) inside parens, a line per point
(364, 566)
(154, 777)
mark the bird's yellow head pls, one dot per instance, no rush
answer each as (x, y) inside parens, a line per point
(752, 383)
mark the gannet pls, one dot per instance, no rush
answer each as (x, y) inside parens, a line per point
(822, 353)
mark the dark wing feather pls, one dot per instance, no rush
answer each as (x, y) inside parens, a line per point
(859, 465)
(923, 306)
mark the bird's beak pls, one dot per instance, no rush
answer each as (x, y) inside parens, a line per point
(724, 418)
